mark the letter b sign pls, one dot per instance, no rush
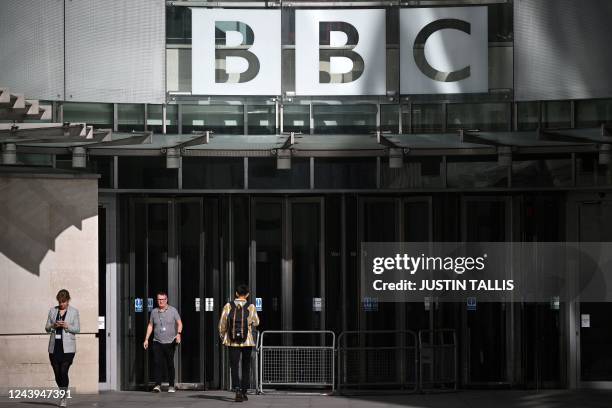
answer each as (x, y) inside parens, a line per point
(246, 47)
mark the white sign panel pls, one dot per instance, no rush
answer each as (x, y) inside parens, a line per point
(585, 320)
(443, 50)
(210, 304)
(317, 304)
(236, 52)
(340, 52)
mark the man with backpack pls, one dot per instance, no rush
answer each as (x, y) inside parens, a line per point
(235, 328)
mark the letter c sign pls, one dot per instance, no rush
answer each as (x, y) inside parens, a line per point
(443, 50)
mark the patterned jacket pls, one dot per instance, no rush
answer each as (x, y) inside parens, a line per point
(253, 321)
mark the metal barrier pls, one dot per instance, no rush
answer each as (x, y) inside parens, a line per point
(438, 360)
(288, 364)
(377, 360)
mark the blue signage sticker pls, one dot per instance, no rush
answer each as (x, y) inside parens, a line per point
(150, 304)
(138, 305)
(471, 303)
(370, 304)
(259, 304)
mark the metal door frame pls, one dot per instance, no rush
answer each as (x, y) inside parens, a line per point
(573, 320)
(113, 366)
(402, 219)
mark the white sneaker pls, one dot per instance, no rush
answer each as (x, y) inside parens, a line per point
(63, 402)
(157, 388)
(171, 389)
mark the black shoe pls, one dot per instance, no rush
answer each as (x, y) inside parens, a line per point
(239, 397)
(244, 396)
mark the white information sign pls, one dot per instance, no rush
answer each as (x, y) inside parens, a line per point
(210, 304)
(235, 52)
(585, 320)
(316, 304)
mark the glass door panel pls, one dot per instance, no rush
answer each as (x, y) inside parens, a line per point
(380, 225)
(191, 288)
(595, 340)
(305, 271)
(267, 250)
(166, 246)
(486, 332)
(308, 305)
(137, 365)
(156, 264)
(417, 227)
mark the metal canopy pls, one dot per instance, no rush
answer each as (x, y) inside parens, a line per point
(54, 138)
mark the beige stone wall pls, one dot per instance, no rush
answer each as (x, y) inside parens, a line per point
(48, 241)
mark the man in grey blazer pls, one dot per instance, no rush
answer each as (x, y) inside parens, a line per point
(63, 324)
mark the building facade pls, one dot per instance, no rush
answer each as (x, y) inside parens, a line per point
(263, 142)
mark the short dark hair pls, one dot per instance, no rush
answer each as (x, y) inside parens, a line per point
(161, 292)
(63, 296)
(242, 290)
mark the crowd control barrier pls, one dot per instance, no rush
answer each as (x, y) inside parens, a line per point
(303, 359)
(377, 360)
(438, 360)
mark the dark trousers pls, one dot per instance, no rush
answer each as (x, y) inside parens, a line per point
(61, 363)
(235, 355)
(163, 357)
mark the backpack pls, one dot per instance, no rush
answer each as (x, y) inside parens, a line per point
(238, 323)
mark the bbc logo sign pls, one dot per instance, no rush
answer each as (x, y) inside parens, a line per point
(339, 52)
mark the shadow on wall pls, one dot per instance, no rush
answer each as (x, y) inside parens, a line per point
(35, 211)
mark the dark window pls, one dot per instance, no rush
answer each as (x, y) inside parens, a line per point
(146, 172)
(35, 159)
(223, 119)
(389, 118)
(528, 115)
(481, 116)
(261, 120)
(155, 118)
(296, 118)
(556, 114)
(347, 119)
(264, 174)
(426, 118)
(551, 170)
(501, 21)
(476, 172)
(98, 115)
(178, 25)
(418, 172)
(349, 173)
(102, 165)
(593, 113)
(130, 117)
(213, 172)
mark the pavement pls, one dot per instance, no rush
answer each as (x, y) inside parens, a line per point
(214, 399)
